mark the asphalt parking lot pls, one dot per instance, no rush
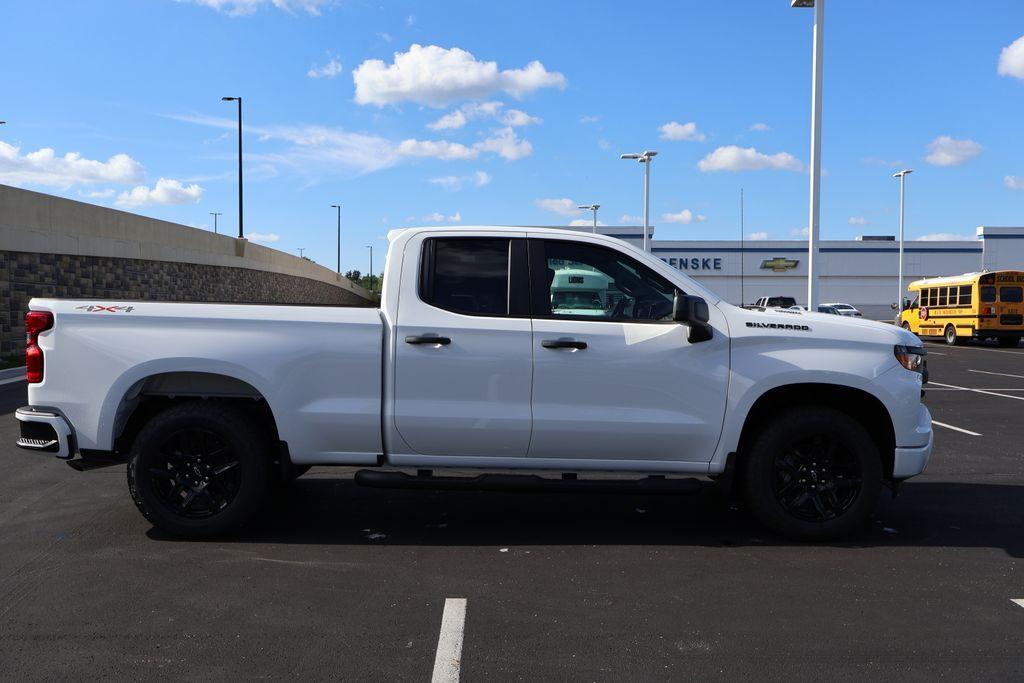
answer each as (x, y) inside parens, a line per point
(350, 583)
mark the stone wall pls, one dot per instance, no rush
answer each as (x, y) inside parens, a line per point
(26, 275)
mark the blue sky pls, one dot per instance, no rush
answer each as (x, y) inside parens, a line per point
(424, 113)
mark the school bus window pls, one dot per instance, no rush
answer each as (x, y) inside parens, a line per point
(988, 294)
(965, 295)
(1011, 295)
(942, 296)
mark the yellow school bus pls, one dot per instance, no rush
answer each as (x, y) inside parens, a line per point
(986, 305)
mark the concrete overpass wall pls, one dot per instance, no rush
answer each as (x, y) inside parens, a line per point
(50, 246)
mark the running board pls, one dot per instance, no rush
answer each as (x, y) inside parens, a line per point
(95, 460)
(525, 482)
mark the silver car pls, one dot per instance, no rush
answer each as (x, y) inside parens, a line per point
(845, 309)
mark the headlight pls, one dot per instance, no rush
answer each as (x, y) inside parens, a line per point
(911, 357)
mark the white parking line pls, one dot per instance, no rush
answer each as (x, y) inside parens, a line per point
(955, 429)
(931, 388)
(1018, 601)
(972, 348)
(12, 380)
(1002, 374)
(978, 391)
(448, 660)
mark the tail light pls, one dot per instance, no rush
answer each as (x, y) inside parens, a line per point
(35, 322)
(988, 310)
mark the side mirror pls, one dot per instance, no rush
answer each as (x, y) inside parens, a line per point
(692, 311)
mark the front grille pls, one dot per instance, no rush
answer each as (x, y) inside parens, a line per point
(1011, 319)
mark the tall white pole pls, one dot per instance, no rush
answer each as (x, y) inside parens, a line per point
(815, 212)
(594, 209)
(903, 178)
(647, 198)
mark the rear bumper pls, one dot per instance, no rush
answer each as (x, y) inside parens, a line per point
(45, 430)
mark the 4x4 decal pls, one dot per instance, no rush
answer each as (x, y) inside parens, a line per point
(96, 308)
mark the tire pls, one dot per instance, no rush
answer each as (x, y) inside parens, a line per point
(906, 326)
(1008, 342)
(950, 336)
(181, 494)
(801, 462)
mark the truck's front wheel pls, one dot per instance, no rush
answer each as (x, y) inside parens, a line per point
(199, 469)
(812, 474)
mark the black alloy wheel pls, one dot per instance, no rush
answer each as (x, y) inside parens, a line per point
(816, 479)
(196, 474)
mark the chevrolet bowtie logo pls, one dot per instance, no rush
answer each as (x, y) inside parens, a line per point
(779, 264)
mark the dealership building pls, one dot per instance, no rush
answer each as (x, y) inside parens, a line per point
(862, 272)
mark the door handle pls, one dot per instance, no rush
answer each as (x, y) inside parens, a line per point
(427, 339)
(563, 344)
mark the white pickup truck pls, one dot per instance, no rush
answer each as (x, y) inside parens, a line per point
(469, 364)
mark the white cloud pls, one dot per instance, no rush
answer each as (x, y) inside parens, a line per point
(801, 233)
(626, 219)
(589, 119)
(758, 236)
(410, 20)
(437, 217)
(760, 127)
(386, 37)
(685, 216)
(858, 220)
(563, 207)
(437, 76)
(98, 194)
(478, 110)
(733, 158)
(454, 182)
(945, 151)
(681, 131)
(328, 70)
(450, 121)
(1011, 59)
(1014, 182)
(262, 236)
(166, 191)
(603, 144)
(588, 222)
(517, 118)
(321, 150)
(239, 8)
(944, 237)
(44, 167)
(439, 149)
(505, 143)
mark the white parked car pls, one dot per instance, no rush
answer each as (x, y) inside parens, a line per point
(468, 364)
(845, 309)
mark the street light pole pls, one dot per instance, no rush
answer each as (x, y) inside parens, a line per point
(594, 208)
(215, 214)
(241, 233)
(645, 159)
(902, 175)
(301, 250)
(338, 207)
(813, 227)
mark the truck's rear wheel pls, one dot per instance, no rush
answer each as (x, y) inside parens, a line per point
(950, 336)
(199, 469)
(812, 474)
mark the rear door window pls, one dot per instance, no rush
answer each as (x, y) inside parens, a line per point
(474, 275)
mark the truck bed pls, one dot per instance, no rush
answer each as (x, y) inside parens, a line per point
(319, 367)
